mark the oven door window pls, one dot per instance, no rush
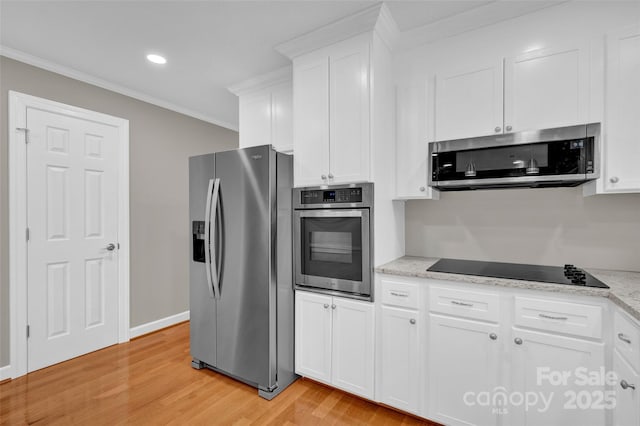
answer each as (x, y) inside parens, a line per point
(332, 247)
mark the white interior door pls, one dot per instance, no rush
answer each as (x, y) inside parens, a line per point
(72, 215)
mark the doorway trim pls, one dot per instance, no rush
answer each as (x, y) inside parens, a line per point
(18, 268)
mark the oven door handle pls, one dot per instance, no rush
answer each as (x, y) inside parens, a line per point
(207, 238)
(331, 213)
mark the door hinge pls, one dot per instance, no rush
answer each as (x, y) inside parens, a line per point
(26, 133)
(27, 234)
(28, 330)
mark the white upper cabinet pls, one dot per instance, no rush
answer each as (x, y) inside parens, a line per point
(349, 111)
(265, 110)
(621, 140)
(311, 120)
(547, 88)
(331, 120)
(412, 162)
(468, 102)
(541, 89)
(255, 119)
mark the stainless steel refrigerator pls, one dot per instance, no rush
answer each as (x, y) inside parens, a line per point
(241, 292)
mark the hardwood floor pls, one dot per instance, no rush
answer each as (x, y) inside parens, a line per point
(150, 381)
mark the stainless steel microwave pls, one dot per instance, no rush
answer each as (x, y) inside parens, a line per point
(565, 156)
(333, 239)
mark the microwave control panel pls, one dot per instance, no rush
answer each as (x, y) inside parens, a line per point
(331, 196)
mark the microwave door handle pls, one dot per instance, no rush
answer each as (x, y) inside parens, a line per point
(207, 236)
(216, 255)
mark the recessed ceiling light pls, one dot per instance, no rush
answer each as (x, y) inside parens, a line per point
(156, 59)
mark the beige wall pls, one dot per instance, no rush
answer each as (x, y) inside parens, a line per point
(160, 143)
(542, 226)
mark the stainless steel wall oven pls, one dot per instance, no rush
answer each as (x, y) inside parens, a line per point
(333, 242)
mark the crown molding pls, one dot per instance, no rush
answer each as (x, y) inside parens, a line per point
(280, 76)
(374, 18)
(470, 20)
(104, 84)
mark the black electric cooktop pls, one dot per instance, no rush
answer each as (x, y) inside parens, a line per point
(569, 274)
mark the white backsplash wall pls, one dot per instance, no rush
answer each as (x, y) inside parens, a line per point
(541, 226)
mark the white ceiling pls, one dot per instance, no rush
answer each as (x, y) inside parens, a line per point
(209, 45)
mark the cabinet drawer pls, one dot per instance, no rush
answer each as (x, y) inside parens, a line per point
(403, 294)
(560, 317)
(465, 303)
(626, 339)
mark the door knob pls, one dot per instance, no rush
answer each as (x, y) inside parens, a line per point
(333, 306)
(626, 385)
(330, 176)
(493, 336)
(326, 306)
(422, 189)
(497, 129)
(614, 179)
(508, 128)
(323, 177)
(412, 321)
(111, 247)
(518, 341)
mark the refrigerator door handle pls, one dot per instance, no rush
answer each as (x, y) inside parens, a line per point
(207, 236)
(215, 258)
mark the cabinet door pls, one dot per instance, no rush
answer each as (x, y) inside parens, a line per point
(627, 410)
(313, 336)
(412, 158)
(464, 362)
(255, 119)
(539, 362)
(399, 363)
(621, 145)
(468, 102)
(349, 111)
(547, 88)
(282, 117)
(311, 120)
(353, 328)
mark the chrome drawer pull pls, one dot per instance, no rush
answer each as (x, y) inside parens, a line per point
(455, 302)
(553, 318)
(393, 293)
(624, 338)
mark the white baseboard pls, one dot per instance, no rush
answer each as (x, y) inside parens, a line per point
(152, 326)
(5, 372)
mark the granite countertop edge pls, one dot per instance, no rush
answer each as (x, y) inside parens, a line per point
(624, 286)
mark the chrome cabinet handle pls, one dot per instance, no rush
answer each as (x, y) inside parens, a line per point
(422, 189)
(624, 338)
(493, 336)
(110, 247)
(333, 306)
(455, 302)
(626, 385)
(553, 318)
(326, 306)
(497, 129)
(412, 321)
(614, 179)
(509, 128)
(330, 176)
(207, 236)
(518, 341)
(323, 177)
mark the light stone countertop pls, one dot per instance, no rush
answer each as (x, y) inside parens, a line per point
(624, 286)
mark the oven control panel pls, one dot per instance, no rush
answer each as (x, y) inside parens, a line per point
(331, 196)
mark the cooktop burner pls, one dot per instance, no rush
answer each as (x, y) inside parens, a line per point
(569, 274)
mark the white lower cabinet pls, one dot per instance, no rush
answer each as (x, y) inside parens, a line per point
(627, 393)
(399, 363)
(550, 370)
(334, 341)
(465, 358)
